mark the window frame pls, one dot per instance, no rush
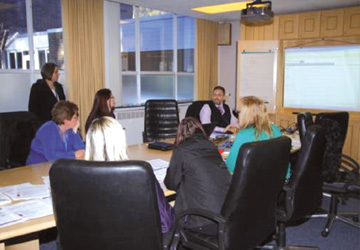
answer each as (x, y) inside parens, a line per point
(138, 73)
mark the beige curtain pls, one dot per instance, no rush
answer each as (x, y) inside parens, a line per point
(206, 58)
(83, 22)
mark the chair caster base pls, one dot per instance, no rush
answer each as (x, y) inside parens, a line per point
(324, 234)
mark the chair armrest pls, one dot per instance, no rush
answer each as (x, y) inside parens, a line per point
(350, 162)
(202, 213)
(220, 220)
(288, 202)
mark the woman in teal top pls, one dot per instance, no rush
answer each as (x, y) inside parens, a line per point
(254, 125)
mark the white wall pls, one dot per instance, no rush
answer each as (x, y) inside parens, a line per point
(15, 88)
(14, 91)
(227, 64)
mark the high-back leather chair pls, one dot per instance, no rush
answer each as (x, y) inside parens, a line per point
(105, 205)
(194, 109)
(304, 120)
(340, 172)
(17, 129)
(161, 120)
(302, 195)
(248, 214)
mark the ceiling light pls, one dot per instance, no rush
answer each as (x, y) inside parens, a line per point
(228, 7)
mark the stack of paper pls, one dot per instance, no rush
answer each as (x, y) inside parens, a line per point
(4, 199)
(24, 211)
(160, 167)
(26, 191)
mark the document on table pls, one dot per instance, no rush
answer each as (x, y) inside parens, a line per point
(160, 167)
(24, 211)
(26, 191)
(4, 199)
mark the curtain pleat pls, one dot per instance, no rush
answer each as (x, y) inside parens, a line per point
(206, 75)
(83, 22)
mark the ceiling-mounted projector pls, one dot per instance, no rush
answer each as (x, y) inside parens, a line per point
(257, 12)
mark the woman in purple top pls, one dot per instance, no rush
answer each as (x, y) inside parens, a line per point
(58, 138)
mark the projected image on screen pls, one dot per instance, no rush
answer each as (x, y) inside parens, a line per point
(322, 77)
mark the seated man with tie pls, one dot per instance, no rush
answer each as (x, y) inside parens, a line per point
(218, 112)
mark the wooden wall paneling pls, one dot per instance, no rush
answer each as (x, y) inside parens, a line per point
(355, 146)
(352, 21)
(259, 32)
(309, 24)
(289, 26)
(242, 32)
(332, 23)
(249, 32)
(276, 22)
(269, 32)
(348, 141)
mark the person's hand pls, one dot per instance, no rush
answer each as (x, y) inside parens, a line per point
(231, 128)
(75, 129)
(79, 154)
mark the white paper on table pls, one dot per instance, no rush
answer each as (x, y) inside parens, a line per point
(13, 187)
(158, 164)
(7, 218)
(160, 174)
(46, 180)
(30, 209)
(27, 192)
(48, 200)
(4, 199)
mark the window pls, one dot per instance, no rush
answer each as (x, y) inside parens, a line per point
(13, 34)
(46, 34)
(157, 55)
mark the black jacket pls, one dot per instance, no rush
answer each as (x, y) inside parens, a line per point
(42, 99)
(199, 176)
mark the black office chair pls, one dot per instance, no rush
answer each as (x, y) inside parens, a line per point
(194, 109)
(304, 120)
(105, 205)
(17, 129)
(161, 120)
(247, 216)
(302, 195)
(340, 172)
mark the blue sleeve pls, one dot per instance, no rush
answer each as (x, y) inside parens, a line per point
(276, 131)
(75, 141)
(52, 145)
(242, 137)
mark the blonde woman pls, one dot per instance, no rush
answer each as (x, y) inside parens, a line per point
(254, 125)
(106, 141)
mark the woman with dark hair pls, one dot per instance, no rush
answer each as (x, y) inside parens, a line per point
(196, 172)
(46, 92)
(104, 105)
(58, 138)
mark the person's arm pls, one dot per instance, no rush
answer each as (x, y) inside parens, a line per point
(34, 100)
(233, 121)
(174, 171)
(50, 140)
(241, 138)
(205, 114)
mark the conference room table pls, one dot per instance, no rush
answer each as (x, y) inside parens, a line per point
(33, 174)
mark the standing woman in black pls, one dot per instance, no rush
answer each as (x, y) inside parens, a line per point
(46, 92)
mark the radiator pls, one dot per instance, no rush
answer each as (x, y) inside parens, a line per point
(132, 119)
